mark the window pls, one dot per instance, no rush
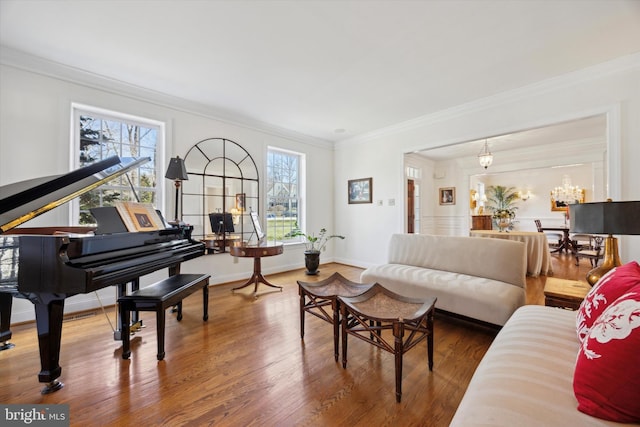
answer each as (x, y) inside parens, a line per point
(283, 204)
(414, 173)
(100, 134)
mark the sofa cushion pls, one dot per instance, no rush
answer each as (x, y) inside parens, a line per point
(480, 298)
(607, 376)
(525, 378)
(502, 260)
(609, 288)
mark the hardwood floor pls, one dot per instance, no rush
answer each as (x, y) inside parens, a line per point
(248, 366)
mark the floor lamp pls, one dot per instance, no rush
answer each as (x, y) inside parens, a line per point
(177, 172)
(609, 218)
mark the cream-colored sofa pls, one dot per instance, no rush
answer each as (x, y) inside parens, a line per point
(526, 376)
(483, 279)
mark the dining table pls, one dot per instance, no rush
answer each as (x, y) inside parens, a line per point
(536, 244)
(565, 243)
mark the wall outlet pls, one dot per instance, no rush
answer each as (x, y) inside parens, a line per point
(379, 202)
(392, 202)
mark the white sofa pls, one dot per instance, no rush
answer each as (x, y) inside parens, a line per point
(526, 376)
(483, 279)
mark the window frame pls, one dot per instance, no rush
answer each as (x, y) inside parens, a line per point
(301, 199)
(78, 110)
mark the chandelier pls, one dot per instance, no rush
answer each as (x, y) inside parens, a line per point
(568, 193)
(485, 157)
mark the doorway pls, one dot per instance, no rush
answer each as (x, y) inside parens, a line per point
(413, 206)
(411, 217)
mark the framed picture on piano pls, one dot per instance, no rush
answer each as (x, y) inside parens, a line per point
(139, 216)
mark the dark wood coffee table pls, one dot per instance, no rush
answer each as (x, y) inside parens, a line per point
(316, 297)
(378, 309)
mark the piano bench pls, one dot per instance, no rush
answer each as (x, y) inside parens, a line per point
(158, 297)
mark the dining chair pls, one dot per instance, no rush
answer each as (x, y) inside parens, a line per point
(580, 241)
(593, 252)
(555, 239)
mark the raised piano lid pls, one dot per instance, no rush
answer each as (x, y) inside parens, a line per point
(22, 201)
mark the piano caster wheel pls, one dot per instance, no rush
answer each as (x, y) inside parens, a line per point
(54, 385)
(6, 345)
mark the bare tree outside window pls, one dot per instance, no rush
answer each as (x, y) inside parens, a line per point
(102, 137)
(283, 193)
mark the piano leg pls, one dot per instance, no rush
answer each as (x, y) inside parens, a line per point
(49, 314)
(6, 300)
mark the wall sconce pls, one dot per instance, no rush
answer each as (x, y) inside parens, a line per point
(525, 196)
(235, 214)
(473, 199)
(479, 202)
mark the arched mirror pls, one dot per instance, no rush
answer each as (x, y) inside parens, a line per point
(222, 189)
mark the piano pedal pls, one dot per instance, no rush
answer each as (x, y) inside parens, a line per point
(54, 385)
(135, 327)
(6, 345)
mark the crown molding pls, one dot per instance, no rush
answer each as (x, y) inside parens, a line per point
(621, 64)
(38, 65)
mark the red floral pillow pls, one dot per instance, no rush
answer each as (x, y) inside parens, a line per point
(606, 380)
(609, 288)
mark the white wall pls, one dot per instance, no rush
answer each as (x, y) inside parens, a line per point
(35, 128)
(540, 182)
(612, 88)
(35, 134)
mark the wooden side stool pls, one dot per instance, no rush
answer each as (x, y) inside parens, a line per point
(564, 293)
(158, 297)
(379, 309)
(315, 297)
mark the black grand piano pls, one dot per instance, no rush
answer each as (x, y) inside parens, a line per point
(47, 265)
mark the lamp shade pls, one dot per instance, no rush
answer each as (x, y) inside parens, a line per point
(605, 218)
(177, 171)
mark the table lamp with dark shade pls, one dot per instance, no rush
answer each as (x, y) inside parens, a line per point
(622, 218)
(177, 172)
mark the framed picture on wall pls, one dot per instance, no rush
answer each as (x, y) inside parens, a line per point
(241, 201)
(447, 195)
(360, 190)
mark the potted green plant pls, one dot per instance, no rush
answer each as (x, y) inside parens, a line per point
(314, 244)
(501, 202)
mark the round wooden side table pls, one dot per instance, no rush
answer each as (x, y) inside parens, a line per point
(257, 252)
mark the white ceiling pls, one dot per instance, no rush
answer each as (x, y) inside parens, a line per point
(327, 69)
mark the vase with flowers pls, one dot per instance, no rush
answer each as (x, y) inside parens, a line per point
(503, 219)
(501, 202)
